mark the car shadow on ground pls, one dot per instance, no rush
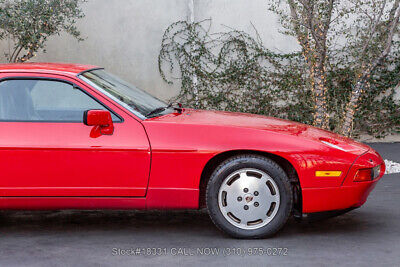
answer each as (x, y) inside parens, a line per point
(184, 222)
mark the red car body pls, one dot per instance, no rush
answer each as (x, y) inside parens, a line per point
(163, 162)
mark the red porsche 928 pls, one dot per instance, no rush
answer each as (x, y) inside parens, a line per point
(76, 137)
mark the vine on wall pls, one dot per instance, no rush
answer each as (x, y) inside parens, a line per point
(233, 71)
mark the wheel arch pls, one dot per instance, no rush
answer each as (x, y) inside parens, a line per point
(282, 162)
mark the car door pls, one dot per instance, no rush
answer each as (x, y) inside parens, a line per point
(46, 150)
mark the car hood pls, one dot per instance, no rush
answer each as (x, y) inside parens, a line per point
(246, 120)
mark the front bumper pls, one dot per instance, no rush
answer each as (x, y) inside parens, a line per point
(350, 194)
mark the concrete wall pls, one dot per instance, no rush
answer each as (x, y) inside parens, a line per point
(124, 36)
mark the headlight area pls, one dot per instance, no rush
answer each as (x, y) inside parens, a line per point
(364, 175)
(358, 182)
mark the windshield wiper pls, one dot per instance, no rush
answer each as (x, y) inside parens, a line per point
(161, 109)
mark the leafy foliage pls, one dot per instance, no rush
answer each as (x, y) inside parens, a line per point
(357, 35)
(228, 71)
(233, 71)
(29, 23)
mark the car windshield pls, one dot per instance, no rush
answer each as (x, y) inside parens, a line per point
(126, 94)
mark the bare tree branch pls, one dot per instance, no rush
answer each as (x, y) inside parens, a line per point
(16, 54)
(373, 29)
(393, 27)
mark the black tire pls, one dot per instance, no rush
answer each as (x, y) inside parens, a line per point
(269, 167)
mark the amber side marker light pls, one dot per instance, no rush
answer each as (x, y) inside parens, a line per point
(328, 173)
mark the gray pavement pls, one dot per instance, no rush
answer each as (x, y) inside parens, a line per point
(366, 236)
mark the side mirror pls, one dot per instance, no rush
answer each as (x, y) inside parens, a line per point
(100, 120)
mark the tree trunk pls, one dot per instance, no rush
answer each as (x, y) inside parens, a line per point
(25, 57)
(321, 116)
(351, 106)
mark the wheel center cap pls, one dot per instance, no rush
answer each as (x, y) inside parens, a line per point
(248, 198)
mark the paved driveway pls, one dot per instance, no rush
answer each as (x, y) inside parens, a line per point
(366, 236)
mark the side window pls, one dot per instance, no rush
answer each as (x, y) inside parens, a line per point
(44, 100)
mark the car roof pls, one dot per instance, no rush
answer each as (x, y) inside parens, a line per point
(50, 68)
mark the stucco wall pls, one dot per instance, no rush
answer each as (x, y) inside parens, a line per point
(125, 35)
